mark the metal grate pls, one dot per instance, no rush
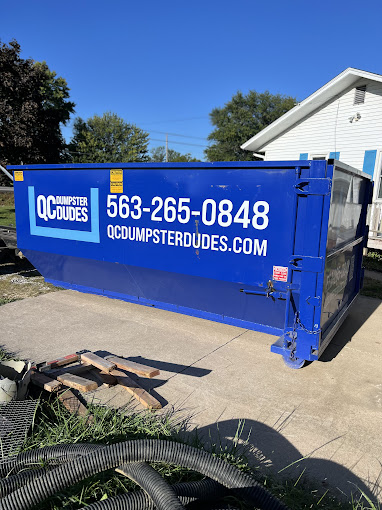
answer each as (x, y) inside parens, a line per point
(359, 97)
(15, 421)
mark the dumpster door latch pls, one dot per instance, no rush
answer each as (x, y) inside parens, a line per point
(268, 291)
(271, 292)
(305, 263)
(314, 186)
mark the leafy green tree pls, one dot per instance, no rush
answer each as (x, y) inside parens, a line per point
(33, 105)
(158, 155)
(240, 119)
(108, 139)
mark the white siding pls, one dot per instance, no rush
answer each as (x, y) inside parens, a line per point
(329, 130)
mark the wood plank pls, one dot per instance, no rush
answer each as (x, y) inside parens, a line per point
(74, 406)
(104, 378)
(98, 362)
(136, 368)
(136, 391)
(74, 369)
(77, 382)
(65, 360)
(42, 381)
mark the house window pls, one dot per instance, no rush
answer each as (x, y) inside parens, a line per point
(359, 96)
(319, 156)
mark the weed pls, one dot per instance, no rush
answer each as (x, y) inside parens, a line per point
(5, 301)
(373, 260)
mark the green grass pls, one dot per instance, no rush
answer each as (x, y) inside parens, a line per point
(4, 355)
(54, 425)
(7, 209)
(7, 215)
(5, 301)
(373, 260)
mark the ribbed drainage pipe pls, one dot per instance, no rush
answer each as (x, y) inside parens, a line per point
(149, 450)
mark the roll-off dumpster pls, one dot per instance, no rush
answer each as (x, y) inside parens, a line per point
(270, 246)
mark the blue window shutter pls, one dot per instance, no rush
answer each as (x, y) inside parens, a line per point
(304, 155)
(334, 155)
(369, 162)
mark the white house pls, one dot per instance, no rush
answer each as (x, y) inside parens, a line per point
(341, 120)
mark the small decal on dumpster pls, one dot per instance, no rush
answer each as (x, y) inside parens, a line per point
(116, 181)
(116, 187)
(116, 175)
(18, 175)
(280, 273)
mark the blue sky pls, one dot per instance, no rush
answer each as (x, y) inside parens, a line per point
(165, 65)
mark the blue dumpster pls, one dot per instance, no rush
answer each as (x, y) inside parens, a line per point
(270, 246)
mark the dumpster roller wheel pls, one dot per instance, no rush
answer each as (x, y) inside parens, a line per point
(292, 362)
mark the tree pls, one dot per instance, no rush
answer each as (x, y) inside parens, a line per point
(158, 155)
(107, 139)
(240, 119)
(33, 105)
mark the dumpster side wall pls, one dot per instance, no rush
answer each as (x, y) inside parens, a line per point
(269, 246)
(199, 239)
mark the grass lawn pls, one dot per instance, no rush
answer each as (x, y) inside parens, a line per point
(7, 215)
(373, 262)
(7, 209)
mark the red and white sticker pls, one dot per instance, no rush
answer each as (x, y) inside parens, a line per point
(280, 273)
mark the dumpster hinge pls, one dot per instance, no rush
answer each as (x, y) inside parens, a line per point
(314, 186)
(305, 263)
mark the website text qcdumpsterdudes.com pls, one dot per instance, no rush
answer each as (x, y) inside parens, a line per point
(247, 245)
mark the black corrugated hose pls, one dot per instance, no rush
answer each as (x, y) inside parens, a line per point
(204, 490)
(82, 461)
(161, 493)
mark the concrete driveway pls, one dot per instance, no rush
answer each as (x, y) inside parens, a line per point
(330, 412)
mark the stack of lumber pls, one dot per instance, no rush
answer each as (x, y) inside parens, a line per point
(69, 372)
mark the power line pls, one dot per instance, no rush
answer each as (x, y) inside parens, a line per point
(172, 120)
(178, 134)
(179, 143)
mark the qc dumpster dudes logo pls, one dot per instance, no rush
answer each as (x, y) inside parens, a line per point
(75, 218)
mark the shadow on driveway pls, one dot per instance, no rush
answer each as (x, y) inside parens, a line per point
(363, 308)
(272, 453)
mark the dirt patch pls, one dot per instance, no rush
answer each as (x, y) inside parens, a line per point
(19, 280)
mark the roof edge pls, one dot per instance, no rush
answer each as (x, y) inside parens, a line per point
(308, 105)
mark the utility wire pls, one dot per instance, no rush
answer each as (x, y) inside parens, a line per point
(172, 120)
(178, 134)
(179, 143)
